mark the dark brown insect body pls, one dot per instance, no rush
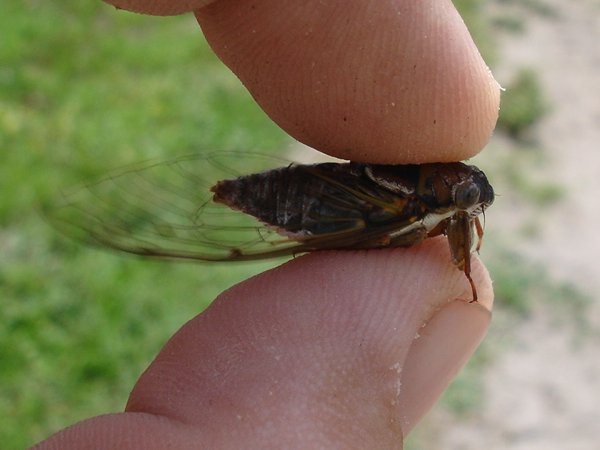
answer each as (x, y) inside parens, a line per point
(175, 210)
(352, 205)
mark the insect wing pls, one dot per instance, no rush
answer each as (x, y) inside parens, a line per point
(165, 209)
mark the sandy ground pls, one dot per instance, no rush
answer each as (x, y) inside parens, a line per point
(542, 390)
(565, 51)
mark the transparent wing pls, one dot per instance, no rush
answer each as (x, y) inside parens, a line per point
(166, 210)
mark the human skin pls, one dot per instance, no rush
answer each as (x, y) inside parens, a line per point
(333, 349)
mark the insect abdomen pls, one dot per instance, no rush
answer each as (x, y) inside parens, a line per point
(289, 198)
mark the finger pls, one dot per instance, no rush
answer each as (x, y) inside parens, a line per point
(299, 355)
(377, 81)
(310, 344)
(441, 349)
(125, 431)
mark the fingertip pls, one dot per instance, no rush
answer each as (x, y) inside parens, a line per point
(328, 333)
(443, 346)
(402, 82)
(440, 350)
(398, 83)
(303, 353)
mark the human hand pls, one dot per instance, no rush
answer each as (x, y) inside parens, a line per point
(322, 351)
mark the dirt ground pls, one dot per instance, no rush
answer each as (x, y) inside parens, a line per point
(542, 390)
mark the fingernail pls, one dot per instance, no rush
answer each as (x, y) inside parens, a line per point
(440, 350)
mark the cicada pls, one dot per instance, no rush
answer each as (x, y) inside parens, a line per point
(205, 208)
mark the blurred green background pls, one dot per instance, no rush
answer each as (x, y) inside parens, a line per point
(84, 89)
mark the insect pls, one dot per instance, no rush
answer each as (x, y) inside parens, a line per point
(204, 208)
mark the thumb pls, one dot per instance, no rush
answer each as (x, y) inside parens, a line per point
(320, 344)
(332, 350)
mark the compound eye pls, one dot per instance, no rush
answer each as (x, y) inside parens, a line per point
(466, 196)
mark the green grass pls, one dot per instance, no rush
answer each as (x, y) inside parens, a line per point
(511, 23)
(85, 88)
(523, 104)
(479, 27)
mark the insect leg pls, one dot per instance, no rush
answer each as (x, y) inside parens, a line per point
(479, 230)
(459, 230)
(467, 225)
(467, 272)
(467, 265)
